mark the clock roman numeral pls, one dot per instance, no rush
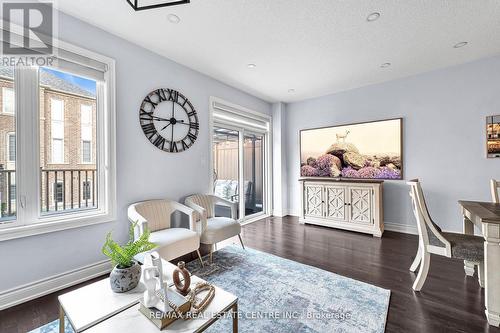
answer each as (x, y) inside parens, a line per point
(174, 96)
(146, 115)
(185, 146)
(149, 129)
(192, 137)
(194, 126)
(161, 95)
(159, 142)
(192, 113)
(148, 100)
(173, 147)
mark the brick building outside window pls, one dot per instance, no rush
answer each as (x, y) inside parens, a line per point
(68, 177)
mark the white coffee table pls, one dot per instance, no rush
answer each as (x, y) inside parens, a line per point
(95, 308)
(132, 321)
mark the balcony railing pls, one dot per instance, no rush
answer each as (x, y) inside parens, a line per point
(68, 189)
(62, 190)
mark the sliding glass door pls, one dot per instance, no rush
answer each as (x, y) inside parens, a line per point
(239, 164)
(253, 172)
(226, 167)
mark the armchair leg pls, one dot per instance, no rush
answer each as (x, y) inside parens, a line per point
(241, 241)
(199, 256)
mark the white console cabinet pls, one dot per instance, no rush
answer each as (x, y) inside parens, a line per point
(345, 204)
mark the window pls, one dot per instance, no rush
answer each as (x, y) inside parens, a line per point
(58, 192)
(8, 100)
(86, 190)
(70, 111)
(11, 147)
(86, 152)
(57, 130)
(86, 132)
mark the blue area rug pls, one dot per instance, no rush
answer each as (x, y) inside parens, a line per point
(280, 295)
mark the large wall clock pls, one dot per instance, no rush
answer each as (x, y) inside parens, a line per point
(169, 120)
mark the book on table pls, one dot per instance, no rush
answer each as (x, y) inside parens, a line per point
(161, 319)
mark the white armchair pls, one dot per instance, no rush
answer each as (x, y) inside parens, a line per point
(155, 215)
(211, 228)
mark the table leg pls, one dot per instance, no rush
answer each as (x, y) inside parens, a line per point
(235, 317)
(61, 319)
(468, 230)
(491, 233)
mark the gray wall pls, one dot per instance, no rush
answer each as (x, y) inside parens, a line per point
(280, 188)
(142, 170)
(444, 135)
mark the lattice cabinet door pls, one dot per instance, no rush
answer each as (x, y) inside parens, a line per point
(336, 203)
(313, 200)
(360, 205)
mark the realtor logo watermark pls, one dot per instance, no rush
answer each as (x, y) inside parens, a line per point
(28, 30)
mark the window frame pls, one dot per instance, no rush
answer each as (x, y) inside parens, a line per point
(55, 194)
(52, 137)
(244, 127)
(8, 159)
(82, 157)
(4, 89)
(82, 125)
(29, 220)
(86, 190)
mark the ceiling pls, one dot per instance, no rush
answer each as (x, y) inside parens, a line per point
(315, 47)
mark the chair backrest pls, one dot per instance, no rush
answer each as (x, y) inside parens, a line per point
(429, 232)
(157, 213)
(495, 187)
(205, 201)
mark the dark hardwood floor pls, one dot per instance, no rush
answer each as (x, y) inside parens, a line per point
(449, 301)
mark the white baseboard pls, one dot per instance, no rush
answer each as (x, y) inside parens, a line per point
(403, 228)
(27, 292)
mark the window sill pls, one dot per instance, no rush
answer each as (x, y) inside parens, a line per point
(54, 224)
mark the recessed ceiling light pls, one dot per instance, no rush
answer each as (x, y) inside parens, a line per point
(291, 91)
(461, 44)
(385, 64)
(373, 17)
(251, 66)
(172, 18)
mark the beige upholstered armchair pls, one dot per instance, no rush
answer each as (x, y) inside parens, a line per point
(211, 228)
(155, 215)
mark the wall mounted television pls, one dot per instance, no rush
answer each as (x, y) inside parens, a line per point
(369, 150)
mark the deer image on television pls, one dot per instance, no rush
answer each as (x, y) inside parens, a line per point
(343, 137)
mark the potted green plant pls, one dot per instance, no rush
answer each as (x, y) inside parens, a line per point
(127, 272)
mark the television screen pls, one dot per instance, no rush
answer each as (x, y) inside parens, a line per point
(371, 150)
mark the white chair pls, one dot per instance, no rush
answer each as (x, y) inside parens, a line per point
(155, 215)
(211, 228)
(433, 241)
(495, 186)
